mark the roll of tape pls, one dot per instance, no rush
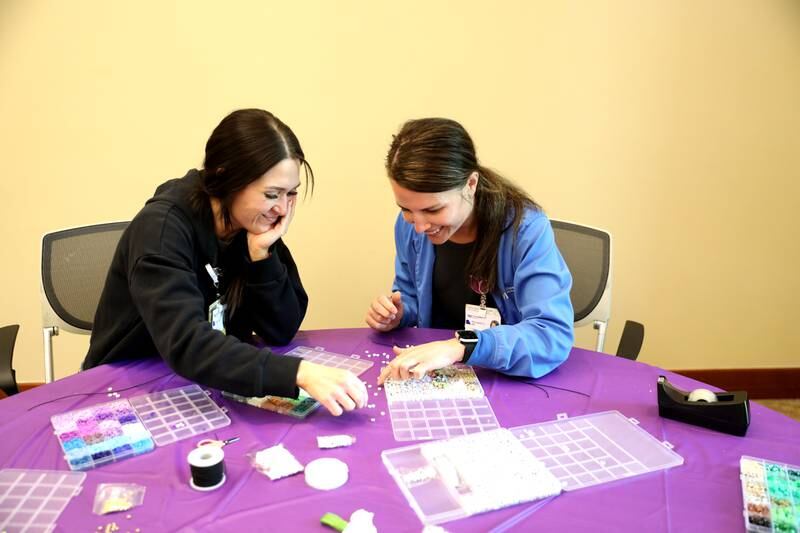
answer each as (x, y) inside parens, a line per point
(207, 465)
(702, 395)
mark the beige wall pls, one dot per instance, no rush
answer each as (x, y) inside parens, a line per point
(674, 124)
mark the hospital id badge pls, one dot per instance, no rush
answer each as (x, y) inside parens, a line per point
(477, 318)
(216, 315)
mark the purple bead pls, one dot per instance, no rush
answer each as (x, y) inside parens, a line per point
(64, 437)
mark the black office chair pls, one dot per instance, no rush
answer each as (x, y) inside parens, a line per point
(587, 252)
(8, 377)
(75, 264)
(631, 340)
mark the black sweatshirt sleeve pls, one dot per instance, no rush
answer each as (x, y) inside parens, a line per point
(165, 290)
(274, 302)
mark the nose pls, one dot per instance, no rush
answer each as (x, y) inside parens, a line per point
(420, 225)
(281, 206)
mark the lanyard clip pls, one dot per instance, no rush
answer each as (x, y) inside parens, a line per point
(214, 274)
(479, 286)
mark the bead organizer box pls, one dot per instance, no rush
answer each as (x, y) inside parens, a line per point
(443, 481)
(565, 454)
(597, 448)
(452, 382)
(319, 355)
(100, 434)
(105, 433)
(299, 407)
(32, 500)
(304, 405)
(178, 414)
(441, 419)
(445, 403)
(771, 495)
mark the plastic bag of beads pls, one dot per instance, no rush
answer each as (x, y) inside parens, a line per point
(115, 497)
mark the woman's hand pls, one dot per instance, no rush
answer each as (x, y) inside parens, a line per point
(385, 312)
(417, 361)
(259, 244)
(338, 390)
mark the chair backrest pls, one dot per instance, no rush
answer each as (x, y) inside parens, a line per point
(587, 251)
(75, 265)
(8, 378)
(630, 343)
(74, 268)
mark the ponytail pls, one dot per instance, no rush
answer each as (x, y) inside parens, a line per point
(499, 205)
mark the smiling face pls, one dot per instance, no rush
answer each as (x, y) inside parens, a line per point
(441, 216)
(258, 206)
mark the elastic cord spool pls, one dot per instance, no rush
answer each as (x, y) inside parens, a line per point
(207, 467)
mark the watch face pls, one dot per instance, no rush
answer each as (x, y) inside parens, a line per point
(467, 335)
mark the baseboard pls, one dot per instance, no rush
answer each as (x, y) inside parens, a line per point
(25, 386)
(758, 382)
(22, 387)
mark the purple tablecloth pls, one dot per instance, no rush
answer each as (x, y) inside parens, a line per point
(702, 494)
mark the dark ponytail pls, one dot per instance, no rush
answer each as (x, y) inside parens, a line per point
(437, 154)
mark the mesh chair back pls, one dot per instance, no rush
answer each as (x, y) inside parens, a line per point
(75, 264)
(587, 252)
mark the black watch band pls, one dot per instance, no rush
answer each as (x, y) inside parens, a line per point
(468, 339)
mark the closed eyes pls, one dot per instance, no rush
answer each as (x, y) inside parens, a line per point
(275, 196)
(428, 210)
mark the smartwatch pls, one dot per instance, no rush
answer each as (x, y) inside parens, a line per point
(469, 339)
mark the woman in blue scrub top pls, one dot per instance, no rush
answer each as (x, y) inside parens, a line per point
(472, 249)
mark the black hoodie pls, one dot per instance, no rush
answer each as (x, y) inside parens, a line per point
(158, 291)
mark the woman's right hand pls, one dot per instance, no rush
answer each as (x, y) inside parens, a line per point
(258, 244)
(385, 312)
(338, 390)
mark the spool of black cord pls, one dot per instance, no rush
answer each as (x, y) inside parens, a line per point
(207, 464)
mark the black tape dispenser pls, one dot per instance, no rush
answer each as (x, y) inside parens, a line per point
(728, 412)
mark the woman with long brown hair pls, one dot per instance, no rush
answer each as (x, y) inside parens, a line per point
(205, 257)
(474, 254)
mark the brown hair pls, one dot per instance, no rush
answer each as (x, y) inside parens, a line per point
(437, 154)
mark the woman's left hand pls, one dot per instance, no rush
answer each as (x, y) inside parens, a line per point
(259, 244)
(417, 361)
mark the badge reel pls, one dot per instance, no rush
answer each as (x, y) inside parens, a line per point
(216, 311)
(480, 317)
